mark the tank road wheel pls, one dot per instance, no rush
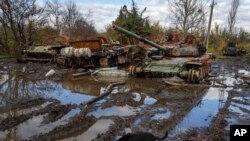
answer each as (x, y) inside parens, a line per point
(189, 75)
(132, 70)
(192, 75)
(198, 76)
(195, 75)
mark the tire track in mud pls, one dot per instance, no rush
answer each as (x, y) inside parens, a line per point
(23, 104)
(75, 126)
(11, 122)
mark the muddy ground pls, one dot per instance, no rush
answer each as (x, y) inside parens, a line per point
(33, 107)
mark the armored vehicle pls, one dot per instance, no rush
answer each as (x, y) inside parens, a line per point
(233, 50)
(47, 52)
(93, 53)
(186, 60)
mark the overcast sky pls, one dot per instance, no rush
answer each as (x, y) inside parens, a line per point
(105, 11)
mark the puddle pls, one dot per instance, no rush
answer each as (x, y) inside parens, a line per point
(138, 121)
(244, 99)
(136, 97)
(122, 111)
(238, 116)
(100, 127)
(235, 108)
(21, 87)
(66, 96)
(244, 72)
(149, 100)
(202, 114)
(34, 126)
(161, 116)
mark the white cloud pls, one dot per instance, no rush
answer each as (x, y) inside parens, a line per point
(103, 13)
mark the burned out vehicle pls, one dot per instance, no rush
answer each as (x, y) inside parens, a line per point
(93, 53)
(233, 50)
(47, 52)
(187, 61)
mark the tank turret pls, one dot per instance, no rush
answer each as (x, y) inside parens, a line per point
(177, 50)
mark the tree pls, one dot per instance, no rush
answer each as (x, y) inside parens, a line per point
(188, 15)
(131, 19)
(232, 15)
(75, 24)
(23, 18)
(55, 9)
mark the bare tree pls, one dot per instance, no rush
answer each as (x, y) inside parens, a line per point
(232, 15)
(70, 16)
(55, 9)
(188, 15)
(75, 23)
(22, 18)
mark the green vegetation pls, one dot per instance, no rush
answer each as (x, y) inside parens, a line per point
(56, 18)
(134, 20)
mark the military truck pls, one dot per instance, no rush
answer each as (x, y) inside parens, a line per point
(186, 60)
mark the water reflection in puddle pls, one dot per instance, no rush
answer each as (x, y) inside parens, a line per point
(244, 72)
(149, 100)
(136, 97)
(67, 96)
(235, 107)
(161, 116)
(115, 111)
(202, 114)
(101, 126)
(34, 126)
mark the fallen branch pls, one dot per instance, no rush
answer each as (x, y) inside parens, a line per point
(106, 93)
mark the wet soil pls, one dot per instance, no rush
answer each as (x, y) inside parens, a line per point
(34, 107)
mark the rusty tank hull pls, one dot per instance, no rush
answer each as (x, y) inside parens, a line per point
(187, 61)
(93, 53)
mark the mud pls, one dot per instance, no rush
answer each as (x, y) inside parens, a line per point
(33, 107)
(10, 122)
(23, 104)
(75, 126)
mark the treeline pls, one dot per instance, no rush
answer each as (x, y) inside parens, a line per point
(187, 17)
(27, 22)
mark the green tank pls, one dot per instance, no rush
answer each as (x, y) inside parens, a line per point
(187, 61)
(46, 52)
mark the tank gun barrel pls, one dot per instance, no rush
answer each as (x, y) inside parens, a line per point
(144, 40)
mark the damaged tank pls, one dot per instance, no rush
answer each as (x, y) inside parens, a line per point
(187, 61)
(233, 50)
(47, 52)
(93, 53)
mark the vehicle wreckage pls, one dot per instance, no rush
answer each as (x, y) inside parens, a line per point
(47, 52)
(186, 60)
(233, 50)
(93, 53)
